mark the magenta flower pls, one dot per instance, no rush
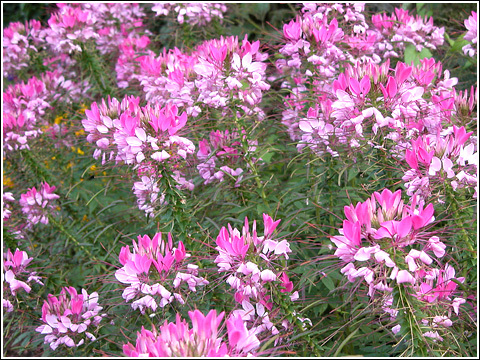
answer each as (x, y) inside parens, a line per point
(16, 274)
(154, 266)
(146, 138)
(386, 243)
(201, 340)
(248, 261)
(471, 24)
(37, 205)
(68, 316)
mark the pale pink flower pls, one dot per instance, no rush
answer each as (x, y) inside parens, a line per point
(37, 205)
(67, 317)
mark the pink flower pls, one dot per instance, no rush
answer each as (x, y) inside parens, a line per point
(37, 205)
(239, 338)
(67, 317)
(202, 339)
(152, 267)
(437, 246)
(292, 30)
(16, 274)
(403, 276)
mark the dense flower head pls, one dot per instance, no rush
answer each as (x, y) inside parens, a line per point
(219, 156)
(128, 133)
(27, 106)
(371, 105)
(386, 243)
(38, 204)
(74, 27)
(115, 23)
(251, 264)
(191, 13)
(69, 23)
(177, 339)
(67, 317)
(152, 267)
(146, 138)
(215, 74)
(19, 41)
(449, 157)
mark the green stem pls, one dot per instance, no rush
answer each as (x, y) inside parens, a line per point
(408, 320)
(72, 238)
(36, 166)
(91, 64)
(252, 166)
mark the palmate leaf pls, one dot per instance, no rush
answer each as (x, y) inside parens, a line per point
(412, 55)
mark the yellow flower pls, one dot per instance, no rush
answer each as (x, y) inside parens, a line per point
(85, 218)
(80, 151)
(83, 108)
(80, 132)
(93, 167)
(58, 119)
(7, 182)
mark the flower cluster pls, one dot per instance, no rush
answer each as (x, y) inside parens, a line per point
(201, 340)
(217, 73)
(192, 13)
(19, 41)
(386, 243)
(223, 149)
(251, 263)
(153, 266)
(74, 24)
(472, 28)
(323, 114)
(115, 23)
(400, 112)
(441, 159)
(401, 29)
(67, 317)
(7, 196)
(144, 137)
(38, 205)
(16, 274)
(26, 105)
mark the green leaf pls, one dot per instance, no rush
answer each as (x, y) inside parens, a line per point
(412, 55)
(328, 283)
(459, 44)
(260, 10)
(425, 53)
(447, 38)
(267, 157)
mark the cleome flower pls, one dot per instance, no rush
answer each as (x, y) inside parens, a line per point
(17, 276)
(37, 205)
(154, 270)
(251, 265)
(201, 340)
(386, 242)
(67, 318)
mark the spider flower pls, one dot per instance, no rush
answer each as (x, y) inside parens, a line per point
(156, 270)
(201, 340)
(67, 318)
